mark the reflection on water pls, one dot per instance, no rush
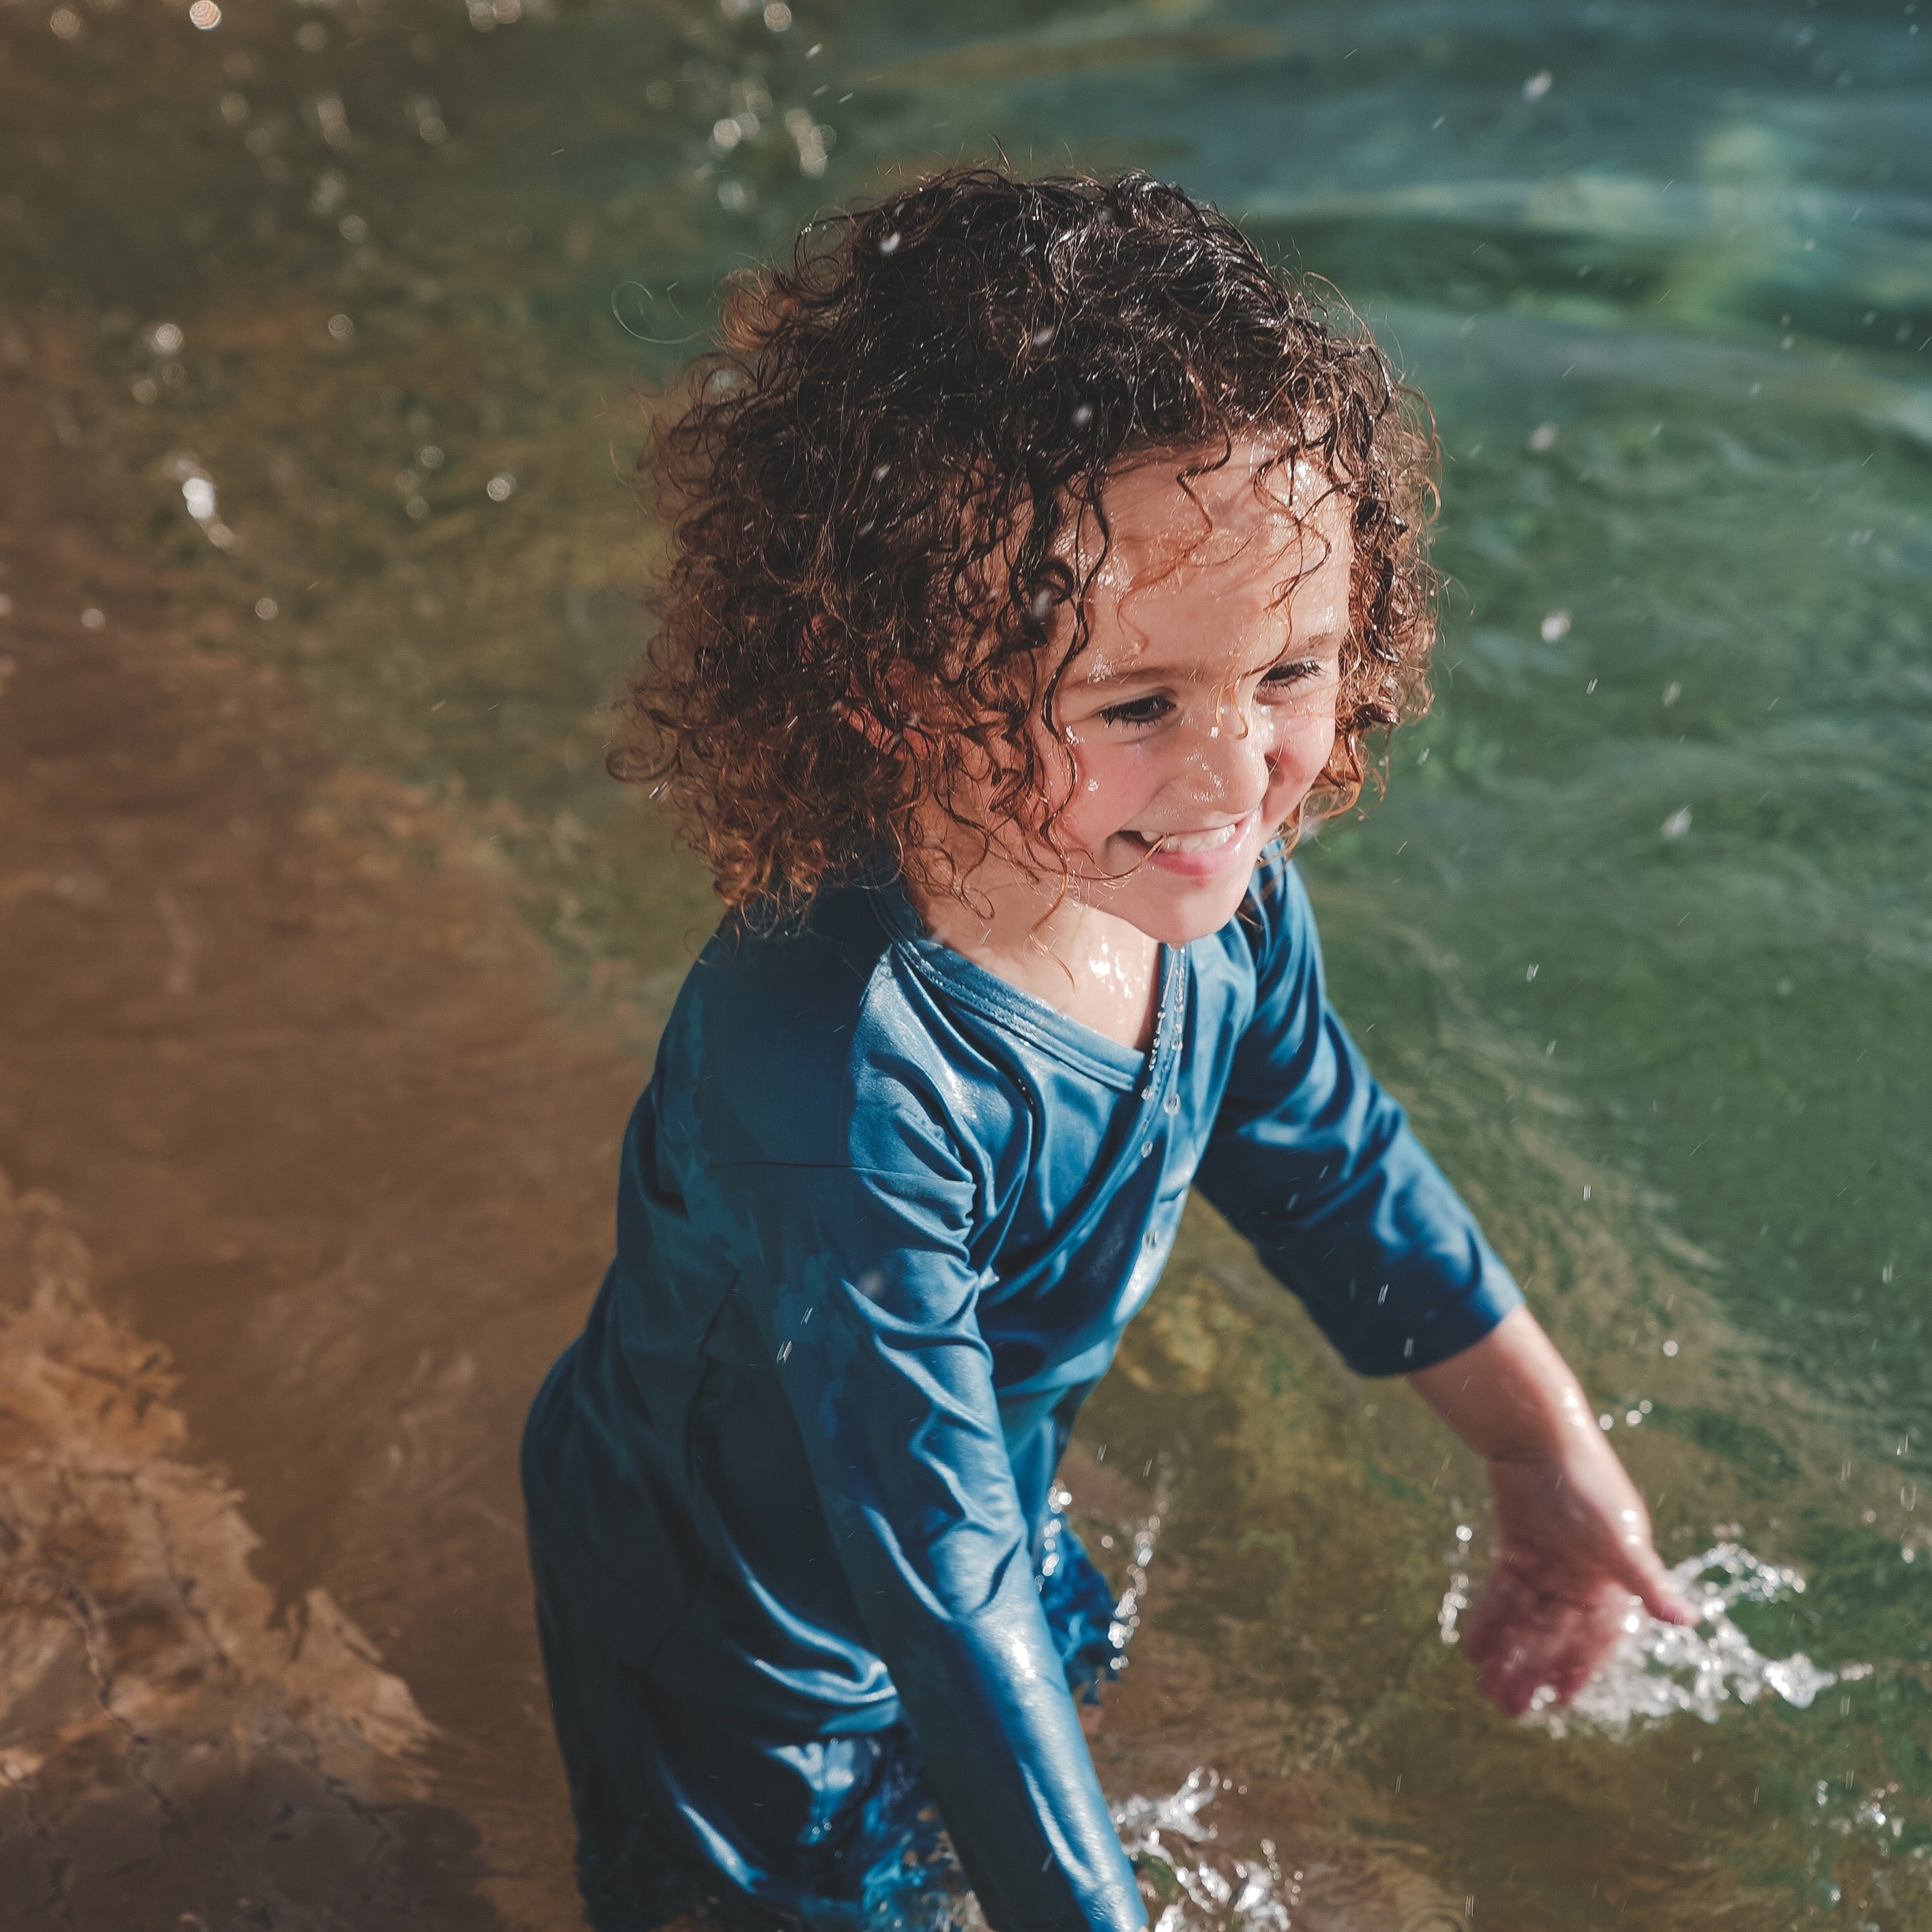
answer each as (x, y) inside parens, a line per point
(353, 300)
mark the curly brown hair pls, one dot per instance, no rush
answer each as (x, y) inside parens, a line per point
(868, 483)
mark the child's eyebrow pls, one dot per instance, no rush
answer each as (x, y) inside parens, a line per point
(1103, 676)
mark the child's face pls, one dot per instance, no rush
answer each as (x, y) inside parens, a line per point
(1203, 708)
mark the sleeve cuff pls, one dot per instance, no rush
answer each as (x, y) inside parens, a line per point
(1417, 1326)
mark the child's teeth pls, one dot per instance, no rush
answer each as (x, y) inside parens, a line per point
(1197, 842)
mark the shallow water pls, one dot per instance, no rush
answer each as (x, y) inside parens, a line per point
(348, 303)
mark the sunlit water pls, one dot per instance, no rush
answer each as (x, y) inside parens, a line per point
(1643, 931)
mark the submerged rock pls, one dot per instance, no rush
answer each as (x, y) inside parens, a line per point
(165, 1730)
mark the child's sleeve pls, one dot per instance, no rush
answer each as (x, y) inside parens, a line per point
(876, 1334)
(1316, 1165)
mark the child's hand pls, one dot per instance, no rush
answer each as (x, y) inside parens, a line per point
(1572, 1536)
(1572, 1548)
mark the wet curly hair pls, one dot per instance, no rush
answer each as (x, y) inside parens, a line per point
(868, 484)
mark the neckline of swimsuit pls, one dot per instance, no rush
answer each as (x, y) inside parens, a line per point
(1042, 1024)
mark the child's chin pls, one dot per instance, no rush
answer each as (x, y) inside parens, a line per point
(1176, 911)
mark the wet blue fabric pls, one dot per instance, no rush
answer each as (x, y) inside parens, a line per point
(882, 1219)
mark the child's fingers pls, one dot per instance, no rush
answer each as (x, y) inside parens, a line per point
(1569, 1681)
(1521, 1639)
(1501, 1603)
(1643, 1575)
(1592, 1640)
(1531, 1641)
(1520, 1666)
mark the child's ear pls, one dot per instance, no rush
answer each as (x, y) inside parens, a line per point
(881, 736)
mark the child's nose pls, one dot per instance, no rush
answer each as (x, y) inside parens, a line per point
(1228, 758)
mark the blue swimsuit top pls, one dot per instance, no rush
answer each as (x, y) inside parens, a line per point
(882, 1219)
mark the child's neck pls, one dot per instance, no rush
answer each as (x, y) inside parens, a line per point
(1089, 965)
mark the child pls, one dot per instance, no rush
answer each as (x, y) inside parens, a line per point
(1039, 562)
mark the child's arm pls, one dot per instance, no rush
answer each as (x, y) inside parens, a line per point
(874, 1336)
(1572, 1542)
(1317, 1166)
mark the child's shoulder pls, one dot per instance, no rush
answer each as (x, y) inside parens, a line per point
(817, 1045)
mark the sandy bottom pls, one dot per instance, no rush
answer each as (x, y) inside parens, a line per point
(305, 1184)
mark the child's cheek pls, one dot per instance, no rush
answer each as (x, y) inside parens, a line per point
(1088, 809)
(1303, 746)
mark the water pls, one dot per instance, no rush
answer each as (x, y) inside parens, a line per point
(349, 305)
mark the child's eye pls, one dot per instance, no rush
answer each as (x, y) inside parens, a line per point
(1283, 676)
(1148, 710)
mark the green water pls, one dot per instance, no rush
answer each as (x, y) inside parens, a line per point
(1643, 930)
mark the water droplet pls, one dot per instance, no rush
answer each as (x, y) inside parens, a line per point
(889, 242)
(267, 609)
(501, 487)
(1555, 626)
(1678, 824)
(1538, 85)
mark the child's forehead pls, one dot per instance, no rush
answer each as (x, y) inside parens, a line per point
(1196, 607)
(1274, 524)
(1166, 510)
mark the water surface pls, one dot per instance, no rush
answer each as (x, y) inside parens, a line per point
(1643, 930)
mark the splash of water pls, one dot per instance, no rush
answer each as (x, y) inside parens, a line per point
(1206, 1889)
(1190, 1881)
(1658, 1669)
(1193, 1883)
(1127, 1610)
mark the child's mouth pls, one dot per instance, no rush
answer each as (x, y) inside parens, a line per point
(1198, 853)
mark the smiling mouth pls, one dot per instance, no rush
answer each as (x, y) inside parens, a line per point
(1212, 839)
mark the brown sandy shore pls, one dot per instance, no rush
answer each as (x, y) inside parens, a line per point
(304, 1184)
